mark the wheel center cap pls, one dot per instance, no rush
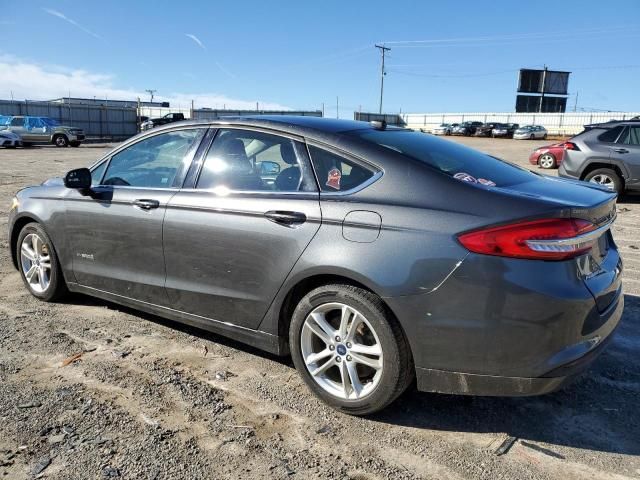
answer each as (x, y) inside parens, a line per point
(341, 349)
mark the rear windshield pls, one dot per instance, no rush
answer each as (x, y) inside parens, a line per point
(448, 157)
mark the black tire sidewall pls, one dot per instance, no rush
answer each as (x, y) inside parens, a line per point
(387, 389)
(56, 285)
(616, 178)
(57, 137)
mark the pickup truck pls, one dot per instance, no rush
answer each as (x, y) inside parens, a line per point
(168, 118)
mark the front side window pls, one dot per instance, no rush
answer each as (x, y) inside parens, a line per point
(250, 161)
(631, 136)
(17, 122)
(336, 173)
(155, 162)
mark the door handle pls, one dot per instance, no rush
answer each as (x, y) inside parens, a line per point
(286, 218)
(146, 204)
(621, 150)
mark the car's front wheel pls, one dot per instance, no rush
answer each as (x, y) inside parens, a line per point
(60, 141)
(605, 177)
(38, 262)
(349, 349)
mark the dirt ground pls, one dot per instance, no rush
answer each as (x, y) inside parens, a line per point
(150, 399)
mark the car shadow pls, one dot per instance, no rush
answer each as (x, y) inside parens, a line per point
(599, 411)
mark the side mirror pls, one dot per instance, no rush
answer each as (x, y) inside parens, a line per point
(80, 178)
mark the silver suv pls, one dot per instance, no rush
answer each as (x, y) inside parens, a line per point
(606, 153)
(42, 130)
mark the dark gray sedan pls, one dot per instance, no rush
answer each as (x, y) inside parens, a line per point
(373, 256)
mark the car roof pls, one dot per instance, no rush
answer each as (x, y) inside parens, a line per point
(315, 127)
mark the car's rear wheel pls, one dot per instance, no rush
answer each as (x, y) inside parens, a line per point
(349, 349)
(547, 161)
(605, 177)
(60, 141)
(38, 262)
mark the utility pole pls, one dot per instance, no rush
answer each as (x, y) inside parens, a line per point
(575, 105)
(151, 92)
(323, 109)
(337, 108)
(383, 50)
(544, 81)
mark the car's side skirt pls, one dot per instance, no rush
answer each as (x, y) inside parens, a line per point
(256, 338)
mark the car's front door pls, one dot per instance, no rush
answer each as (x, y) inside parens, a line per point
(231, 240)
(116, 229)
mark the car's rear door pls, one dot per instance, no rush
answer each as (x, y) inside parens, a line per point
(232, 237)
(626, 153)
(116, 230)
(17, 126)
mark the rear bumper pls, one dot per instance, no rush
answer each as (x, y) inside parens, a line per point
(459, 383)
(509, 326)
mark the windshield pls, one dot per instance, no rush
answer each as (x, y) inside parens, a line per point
(448, 157)
(50, 122)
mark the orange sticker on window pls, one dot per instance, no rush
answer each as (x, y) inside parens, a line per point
(333, 178)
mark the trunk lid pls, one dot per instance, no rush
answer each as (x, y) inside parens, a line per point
(601, 267)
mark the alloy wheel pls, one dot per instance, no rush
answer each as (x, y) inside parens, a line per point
(604, 180)
(35, 260)
(547, 161)
(341, 351)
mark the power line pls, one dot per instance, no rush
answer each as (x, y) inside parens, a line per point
(383, 50)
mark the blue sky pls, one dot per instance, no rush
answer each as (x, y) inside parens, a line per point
(464, 56)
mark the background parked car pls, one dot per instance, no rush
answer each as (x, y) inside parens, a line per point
(444, 129)
(43, 130)
(549, 156)
(530, 132)
(466, 128)
(485, 130)
(155, 122)
(504, 130)
(9, 139)
(608, 154)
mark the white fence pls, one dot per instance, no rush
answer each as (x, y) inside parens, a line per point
(555, 123)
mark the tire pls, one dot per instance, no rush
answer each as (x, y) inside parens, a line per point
(376, 329)
(56, 288)
(547, 161)
(544, 137)
(74, 144)
(606, 177)
(61, 141)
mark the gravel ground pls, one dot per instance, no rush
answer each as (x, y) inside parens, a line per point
(89, 389)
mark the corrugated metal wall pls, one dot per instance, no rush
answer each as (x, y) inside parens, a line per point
(555, 123)
(109, 123)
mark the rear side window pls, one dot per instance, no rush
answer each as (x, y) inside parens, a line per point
(17, 122)
(611, 134)
(631, 136)
(447, 157)
(336, 173)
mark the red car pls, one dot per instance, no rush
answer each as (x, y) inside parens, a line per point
(549, 156)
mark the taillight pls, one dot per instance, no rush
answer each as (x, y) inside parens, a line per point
(570, 146)
(550, 239)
